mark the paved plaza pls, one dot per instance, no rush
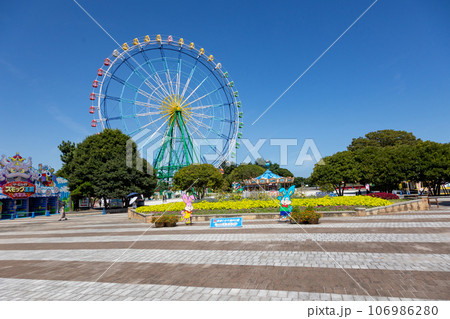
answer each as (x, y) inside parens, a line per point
(403, 256)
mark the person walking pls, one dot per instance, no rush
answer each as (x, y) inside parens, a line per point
(62, 210)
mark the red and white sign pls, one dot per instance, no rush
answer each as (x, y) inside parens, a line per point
(19, 190)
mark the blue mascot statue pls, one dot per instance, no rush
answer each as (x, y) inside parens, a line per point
(285, 203)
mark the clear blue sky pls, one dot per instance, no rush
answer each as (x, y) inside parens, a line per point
(390, 71)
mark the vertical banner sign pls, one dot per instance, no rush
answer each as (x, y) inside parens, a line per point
(226, 222)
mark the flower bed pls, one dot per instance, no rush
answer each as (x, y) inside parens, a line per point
(247, 205)
(383, 195)
(304, 216)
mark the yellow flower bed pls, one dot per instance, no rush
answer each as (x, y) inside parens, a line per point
(366, 201)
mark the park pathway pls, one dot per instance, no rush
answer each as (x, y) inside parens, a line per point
(404, 256)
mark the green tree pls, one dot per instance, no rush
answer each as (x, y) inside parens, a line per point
(383, 138)
(385, 159)
(261, 162)
(385, 167)
(274, 168)
(432, 165)
(283, 172)
(245, 171)
(339, 170)
(101, 160)
(82, 191)
(301, 181)
(227, 167)
(197, 177)
(67, 149)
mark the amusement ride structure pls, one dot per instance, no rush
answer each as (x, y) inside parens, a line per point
(175, 95)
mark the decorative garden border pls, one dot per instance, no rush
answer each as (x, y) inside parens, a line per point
(413, 205)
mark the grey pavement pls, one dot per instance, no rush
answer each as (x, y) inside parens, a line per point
(320, 259)
(28, 289)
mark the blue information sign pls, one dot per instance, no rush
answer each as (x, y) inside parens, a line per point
(226, 222)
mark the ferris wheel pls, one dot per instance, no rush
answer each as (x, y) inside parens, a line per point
(176, 94)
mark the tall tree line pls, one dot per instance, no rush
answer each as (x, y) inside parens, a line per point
(385, 159)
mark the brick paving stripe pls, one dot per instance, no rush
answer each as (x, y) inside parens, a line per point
(319, 259)
(369, 247)
(382, 283)
(252, 226)
(64, 290)
(239, 237)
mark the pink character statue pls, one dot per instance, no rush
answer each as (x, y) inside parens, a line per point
(186, 214)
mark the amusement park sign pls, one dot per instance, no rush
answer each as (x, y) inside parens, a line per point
(19, 190)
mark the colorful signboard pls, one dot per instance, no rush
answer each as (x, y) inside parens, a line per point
(18, 189)
(84, 202)
(226, 222)
(115, 203)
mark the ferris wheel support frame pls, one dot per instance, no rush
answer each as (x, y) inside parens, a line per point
(165, 171)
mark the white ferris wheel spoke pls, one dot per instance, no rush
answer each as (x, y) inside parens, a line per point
(189, 78)
(157, 78)
(160, 84)
(148, 113)
(203, 137)
(217, 133)
(204, 116)
(154, 106)
(142, 77)
(209, 129)
(202, 97)
(201, 123)
(152, 87)
(128, 101)
(197, 130)
(155, 92)
(193, 140)
(207, 106)
(152, 122)
(168, 77)
(131, 86)
(154, 133)
(149, 96)
(178, 74)
(198, 86)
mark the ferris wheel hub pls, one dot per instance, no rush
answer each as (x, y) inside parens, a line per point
(174, 105)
